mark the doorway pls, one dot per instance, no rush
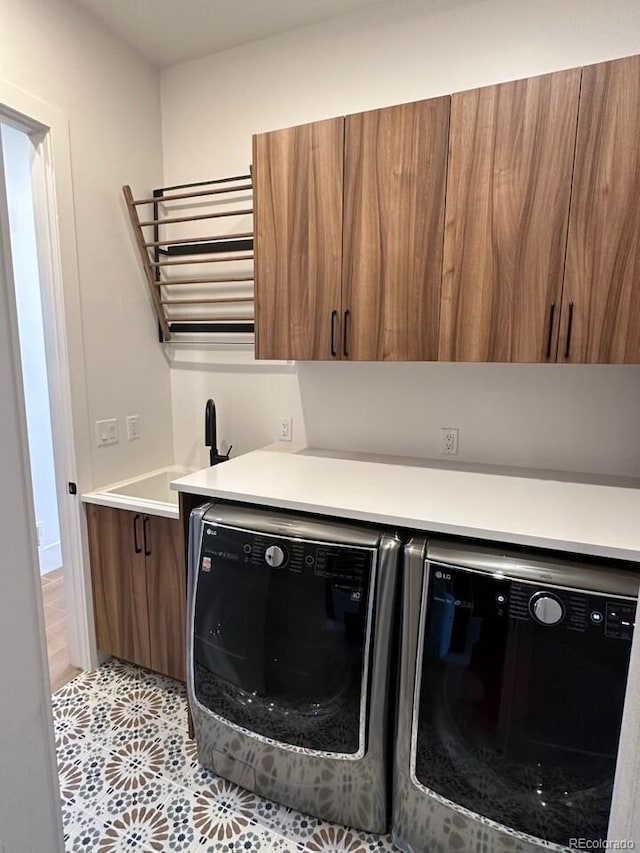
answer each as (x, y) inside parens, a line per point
(39, 258)
(18, 153)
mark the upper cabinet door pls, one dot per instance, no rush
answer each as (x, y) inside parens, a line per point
(601, 302)
(395, 177)
(297, 177)
(509, 182)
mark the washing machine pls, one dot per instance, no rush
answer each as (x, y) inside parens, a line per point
(289, 652)
(512, 686)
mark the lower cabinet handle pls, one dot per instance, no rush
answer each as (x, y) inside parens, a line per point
(147, 546)
(334, 317)
(569, 330)
(551, 313)
(136, 545)
(346, 334)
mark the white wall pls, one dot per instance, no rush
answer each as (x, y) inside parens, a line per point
(579, 418)
(29, 803)
(55, 52)
(249, 402)
(17, 151)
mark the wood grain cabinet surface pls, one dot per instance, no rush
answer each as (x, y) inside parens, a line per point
(139, 598)
(601, 303)
(508, 192)
(349, 221)
(395, 173)
(499, 224)
(297, 178)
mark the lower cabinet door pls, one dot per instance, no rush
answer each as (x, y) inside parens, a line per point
(118, 570)
(166, 595)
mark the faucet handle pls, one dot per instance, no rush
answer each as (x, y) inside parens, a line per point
(217, 458)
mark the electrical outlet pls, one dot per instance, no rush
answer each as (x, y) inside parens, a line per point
(39, 532)
(286, 429)
(449, 441)
(107, 432)
(133, 427)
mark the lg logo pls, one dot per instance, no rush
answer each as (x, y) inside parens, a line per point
(443, 576)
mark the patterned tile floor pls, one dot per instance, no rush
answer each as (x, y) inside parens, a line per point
(130, 780)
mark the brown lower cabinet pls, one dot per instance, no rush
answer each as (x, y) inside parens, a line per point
(139, 593)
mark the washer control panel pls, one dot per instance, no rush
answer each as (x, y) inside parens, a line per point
(346, 567)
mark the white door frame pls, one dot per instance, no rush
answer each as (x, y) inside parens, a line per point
(58, 265)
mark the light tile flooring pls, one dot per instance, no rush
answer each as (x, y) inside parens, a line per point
(130, 781)
(60, 670)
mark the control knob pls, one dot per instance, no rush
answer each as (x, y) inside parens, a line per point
(275, 556)
(546, 608)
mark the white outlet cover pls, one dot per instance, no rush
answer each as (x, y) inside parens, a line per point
(449, 441)
(286, 429)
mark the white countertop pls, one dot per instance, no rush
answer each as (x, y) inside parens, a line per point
(541, 509)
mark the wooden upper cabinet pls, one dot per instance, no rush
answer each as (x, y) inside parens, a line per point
(298, 180)
(511, 154)
(394, 188)
(602, 284)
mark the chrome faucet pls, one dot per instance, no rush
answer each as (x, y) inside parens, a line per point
(211, 435)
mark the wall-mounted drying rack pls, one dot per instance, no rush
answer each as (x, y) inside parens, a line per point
(199, 284)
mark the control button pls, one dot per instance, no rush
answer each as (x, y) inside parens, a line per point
(275, 556)
(501, 599)
(309, 559)
(596, 617)
(247, 548)
(546, 608)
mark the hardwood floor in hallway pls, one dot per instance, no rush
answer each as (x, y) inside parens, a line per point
(60, 669)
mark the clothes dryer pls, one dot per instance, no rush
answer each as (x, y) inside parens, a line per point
(512, 686)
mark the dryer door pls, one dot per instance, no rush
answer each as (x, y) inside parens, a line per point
(281, 636)
(521, 690)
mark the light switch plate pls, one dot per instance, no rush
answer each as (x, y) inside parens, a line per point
(133, 427)
(107, 432)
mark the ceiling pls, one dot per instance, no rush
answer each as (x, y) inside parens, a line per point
(171, 31)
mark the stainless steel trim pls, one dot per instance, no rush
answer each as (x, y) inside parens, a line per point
(204, 521)
(516, 566)
(275, 523)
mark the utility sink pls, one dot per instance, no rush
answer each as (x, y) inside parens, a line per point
(148, 492)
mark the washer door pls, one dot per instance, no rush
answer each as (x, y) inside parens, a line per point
(281, 632)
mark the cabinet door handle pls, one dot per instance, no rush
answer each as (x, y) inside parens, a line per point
(334, 317)
(147, 540)
(136, 544)
(346, 334)
(551, 314)
(569, 329)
